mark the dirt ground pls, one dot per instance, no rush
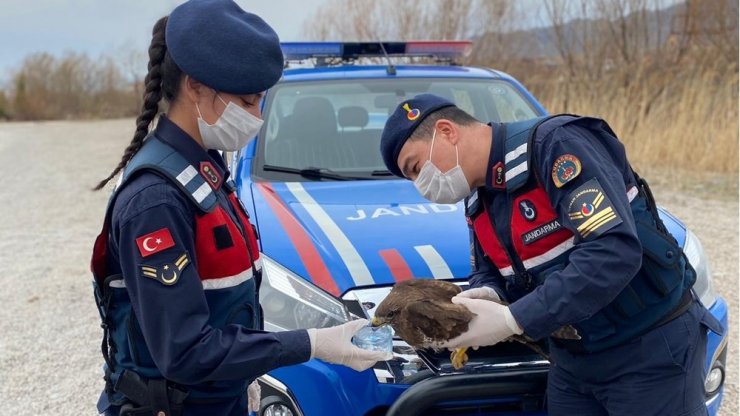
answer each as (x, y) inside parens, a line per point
(50, 344)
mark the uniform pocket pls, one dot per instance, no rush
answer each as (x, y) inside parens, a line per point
(681, 337)
(662, 262)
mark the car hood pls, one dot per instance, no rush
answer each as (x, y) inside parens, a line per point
(343, 235)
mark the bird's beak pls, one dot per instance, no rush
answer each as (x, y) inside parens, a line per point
(377, 321)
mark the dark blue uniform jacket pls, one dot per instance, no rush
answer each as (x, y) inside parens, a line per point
(598, 260)
(186, 305)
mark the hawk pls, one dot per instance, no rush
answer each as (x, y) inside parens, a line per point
(422, 314)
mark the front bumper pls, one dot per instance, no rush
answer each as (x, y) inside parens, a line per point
(518, 392)
(317, 388)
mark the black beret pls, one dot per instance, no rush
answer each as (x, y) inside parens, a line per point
(402, 123)
(224, 47)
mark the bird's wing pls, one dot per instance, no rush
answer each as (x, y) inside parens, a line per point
(437, 320)
(438, 288)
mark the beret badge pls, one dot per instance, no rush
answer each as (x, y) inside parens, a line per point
(411, 113)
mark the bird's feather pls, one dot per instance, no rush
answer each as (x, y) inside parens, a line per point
(435, 320)
(422, 314)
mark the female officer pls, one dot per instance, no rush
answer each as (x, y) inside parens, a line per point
(177, 266)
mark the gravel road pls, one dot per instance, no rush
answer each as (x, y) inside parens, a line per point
(50, 344)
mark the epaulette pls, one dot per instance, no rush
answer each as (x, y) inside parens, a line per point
(163, 159)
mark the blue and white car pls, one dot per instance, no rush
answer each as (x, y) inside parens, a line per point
(337, 231)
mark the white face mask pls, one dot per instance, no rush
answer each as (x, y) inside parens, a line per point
(442, 188)
(231, 131)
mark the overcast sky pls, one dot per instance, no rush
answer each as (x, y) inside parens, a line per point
(108, 26)
(113, 26)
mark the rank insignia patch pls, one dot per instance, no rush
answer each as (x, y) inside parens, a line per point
(590, 210)
(167, 273)
(565, 169)
(498, 175)
(210, 173)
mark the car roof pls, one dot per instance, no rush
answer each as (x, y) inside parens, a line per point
(380, 71)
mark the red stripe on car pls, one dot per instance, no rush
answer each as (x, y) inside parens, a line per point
(310, 257)
(399, 268)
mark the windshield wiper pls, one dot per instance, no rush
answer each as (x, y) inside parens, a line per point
(381, 173)
(313, 173)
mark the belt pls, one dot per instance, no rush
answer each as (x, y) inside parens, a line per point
(686, 301)
(153, 397)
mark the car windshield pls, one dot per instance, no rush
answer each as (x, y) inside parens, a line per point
(331, 129)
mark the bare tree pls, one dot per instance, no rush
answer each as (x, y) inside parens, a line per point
(4, 106)
(359, 20)
(73, 86)
(133, 65)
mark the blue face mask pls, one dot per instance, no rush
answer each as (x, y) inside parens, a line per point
(443, 188)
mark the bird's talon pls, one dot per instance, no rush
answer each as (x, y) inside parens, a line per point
(459, 358)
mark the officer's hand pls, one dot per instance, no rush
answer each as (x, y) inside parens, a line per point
(491, 324)
(334, 345)
(254, 395)
(483, 292)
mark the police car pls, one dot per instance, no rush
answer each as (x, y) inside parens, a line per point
(337, 230)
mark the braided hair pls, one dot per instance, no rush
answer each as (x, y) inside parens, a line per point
(163, 79)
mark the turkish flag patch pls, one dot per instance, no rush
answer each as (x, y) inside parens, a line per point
(155, 242)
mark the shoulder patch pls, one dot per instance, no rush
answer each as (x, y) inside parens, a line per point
(590, 210)
(167, 273)
(155, 242)
(565, 169)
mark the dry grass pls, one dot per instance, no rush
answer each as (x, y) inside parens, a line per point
(686, 123)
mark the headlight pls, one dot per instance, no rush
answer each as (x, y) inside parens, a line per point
(714, 380)
(289, 302)
(703, 286)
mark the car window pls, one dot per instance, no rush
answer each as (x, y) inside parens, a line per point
(336, 125)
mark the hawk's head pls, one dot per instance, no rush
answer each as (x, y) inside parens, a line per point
(387, 311)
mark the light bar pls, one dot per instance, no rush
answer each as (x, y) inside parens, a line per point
(296, 51)
(448, 49)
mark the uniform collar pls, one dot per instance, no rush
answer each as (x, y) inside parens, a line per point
(210, 163)
(495, 176)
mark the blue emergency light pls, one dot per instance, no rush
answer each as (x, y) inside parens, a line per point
(347, 51)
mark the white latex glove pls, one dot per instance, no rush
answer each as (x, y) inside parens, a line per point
(492, 324)
(334, 345)
(254, 395)
(483, 292)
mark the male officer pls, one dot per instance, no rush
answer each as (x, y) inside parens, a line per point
(564, 231)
